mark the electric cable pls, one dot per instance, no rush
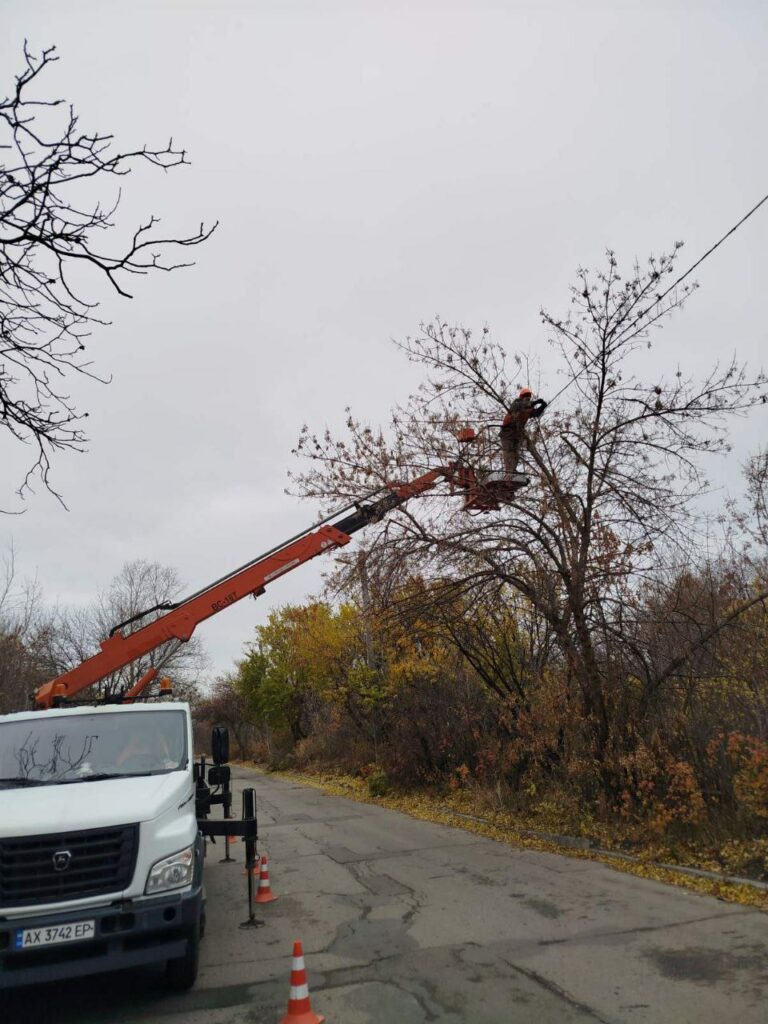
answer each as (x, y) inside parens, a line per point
(337, 512)
(660, 298)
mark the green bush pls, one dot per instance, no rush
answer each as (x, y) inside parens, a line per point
(378, 783)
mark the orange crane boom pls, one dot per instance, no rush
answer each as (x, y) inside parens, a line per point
(180, 620)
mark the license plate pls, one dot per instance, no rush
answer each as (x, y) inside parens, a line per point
(53, 934)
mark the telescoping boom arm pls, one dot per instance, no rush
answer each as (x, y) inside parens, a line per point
(180, 620)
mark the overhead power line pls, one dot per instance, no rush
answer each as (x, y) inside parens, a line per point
(660, 298)
(657, 300)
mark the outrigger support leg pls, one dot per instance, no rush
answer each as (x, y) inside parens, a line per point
(249, 814)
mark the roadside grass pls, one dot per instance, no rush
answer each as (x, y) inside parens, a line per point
(460, 809)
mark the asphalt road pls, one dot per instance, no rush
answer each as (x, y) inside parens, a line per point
(405, 922)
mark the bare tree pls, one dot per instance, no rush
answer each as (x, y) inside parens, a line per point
(23, 631)
(225, 705)
(753, 520)
(53, 213)
(138, 586)
(617, 467)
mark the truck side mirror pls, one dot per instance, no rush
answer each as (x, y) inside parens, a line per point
(220, 744)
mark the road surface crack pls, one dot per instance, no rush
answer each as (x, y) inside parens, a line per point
(590, 936)
(560, 993)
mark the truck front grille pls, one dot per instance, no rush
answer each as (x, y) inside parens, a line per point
(66, 865)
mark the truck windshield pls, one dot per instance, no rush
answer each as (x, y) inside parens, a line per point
(52, 750)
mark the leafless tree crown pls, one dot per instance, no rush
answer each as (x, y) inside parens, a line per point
(617, 466)
(54, 222)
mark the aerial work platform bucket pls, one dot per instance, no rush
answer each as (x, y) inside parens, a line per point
(485, 489)
(488, 492)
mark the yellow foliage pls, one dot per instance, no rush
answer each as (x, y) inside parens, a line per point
(750, 781)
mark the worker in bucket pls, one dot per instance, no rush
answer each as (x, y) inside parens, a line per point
(512, 433)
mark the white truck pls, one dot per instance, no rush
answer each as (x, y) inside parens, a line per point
(103, 811)
(101, 849)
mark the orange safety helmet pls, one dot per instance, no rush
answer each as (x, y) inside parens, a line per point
(525, 393)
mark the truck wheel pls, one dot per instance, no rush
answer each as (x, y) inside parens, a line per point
(181, 974)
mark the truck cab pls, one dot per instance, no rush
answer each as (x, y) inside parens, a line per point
(101, 854)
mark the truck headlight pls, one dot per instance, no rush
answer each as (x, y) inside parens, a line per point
(172, 872)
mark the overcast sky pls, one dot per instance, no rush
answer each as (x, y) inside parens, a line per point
(371, 164)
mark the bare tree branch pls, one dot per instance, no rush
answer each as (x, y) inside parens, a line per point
(51, 219)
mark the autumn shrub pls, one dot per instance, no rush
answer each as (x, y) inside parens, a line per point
(337, 745)
(378, 783)
(485, 715)
(261, 753)
(748, 858)
(277, 753)
(433, 727)
(749, 758)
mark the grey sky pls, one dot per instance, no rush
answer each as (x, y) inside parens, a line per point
(372, 164)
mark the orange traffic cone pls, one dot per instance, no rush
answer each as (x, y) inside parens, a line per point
(264, 893)
(299, 1008)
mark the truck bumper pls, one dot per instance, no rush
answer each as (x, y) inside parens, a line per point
(126, 935)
